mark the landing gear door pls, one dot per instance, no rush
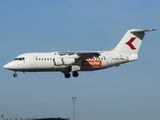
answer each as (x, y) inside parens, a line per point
(31, 60)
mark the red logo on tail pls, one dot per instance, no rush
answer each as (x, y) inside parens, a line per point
(129, 43)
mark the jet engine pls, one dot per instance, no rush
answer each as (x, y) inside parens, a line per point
(68, 61)
(63, 61)
(58, 61)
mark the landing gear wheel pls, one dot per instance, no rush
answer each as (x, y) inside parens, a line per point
(67, 75)
(14, 75)
(75, 74)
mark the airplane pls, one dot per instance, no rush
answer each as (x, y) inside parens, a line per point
(66, 62)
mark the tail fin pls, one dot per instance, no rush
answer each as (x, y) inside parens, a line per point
(131, 42)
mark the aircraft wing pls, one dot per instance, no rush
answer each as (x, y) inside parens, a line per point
(82, 55)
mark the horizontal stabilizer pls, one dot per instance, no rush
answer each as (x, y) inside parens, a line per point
(139, 30)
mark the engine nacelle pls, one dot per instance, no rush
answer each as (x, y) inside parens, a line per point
(58, 61)
(68, 61)
(63, 61)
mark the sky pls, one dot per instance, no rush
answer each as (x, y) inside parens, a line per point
(127, 92)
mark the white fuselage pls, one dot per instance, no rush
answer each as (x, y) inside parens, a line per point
(36, 62)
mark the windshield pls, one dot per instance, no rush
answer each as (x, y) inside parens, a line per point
(16, 59)
(20, 59)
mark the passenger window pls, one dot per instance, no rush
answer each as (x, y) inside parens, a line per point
(39, 58)
(47, 58)
(44, 58)
(50, 58)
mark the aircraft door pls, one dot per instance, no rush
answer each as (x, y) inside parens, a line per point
(31, 60)
(109, 59)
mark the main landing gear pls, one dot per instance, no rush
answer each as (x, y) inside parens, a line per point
(75, 74)
(68, 75)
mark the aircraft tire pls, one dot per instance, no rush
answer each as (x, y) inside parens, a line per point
(14, 75)
(75, 74)
(67, 75)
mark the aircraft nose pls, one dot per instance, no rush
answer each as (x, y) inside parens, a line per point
(7, 66)
(10, 66)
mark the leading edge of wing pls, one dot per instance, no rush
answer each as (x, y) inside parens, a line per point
(81, 54)
(78, 53)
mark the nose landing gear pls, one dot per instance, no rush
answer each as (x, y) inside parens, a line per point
(15, 74)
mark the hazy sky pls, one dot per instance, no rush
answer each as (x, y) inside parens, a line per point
(128, 92)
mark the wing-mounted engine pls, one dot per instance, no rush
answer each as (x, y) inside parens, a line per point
(63, 61)
(68, 61)
(58, 61)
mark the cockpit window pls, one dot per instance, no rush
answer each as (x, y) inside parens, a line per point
(20, 59)
(16, 59)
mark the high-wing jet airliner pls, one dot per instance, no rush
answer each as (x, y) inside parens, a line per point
(66, 62)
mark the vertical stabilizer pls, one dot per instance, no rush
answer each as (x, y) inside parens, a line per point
(131, 41)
